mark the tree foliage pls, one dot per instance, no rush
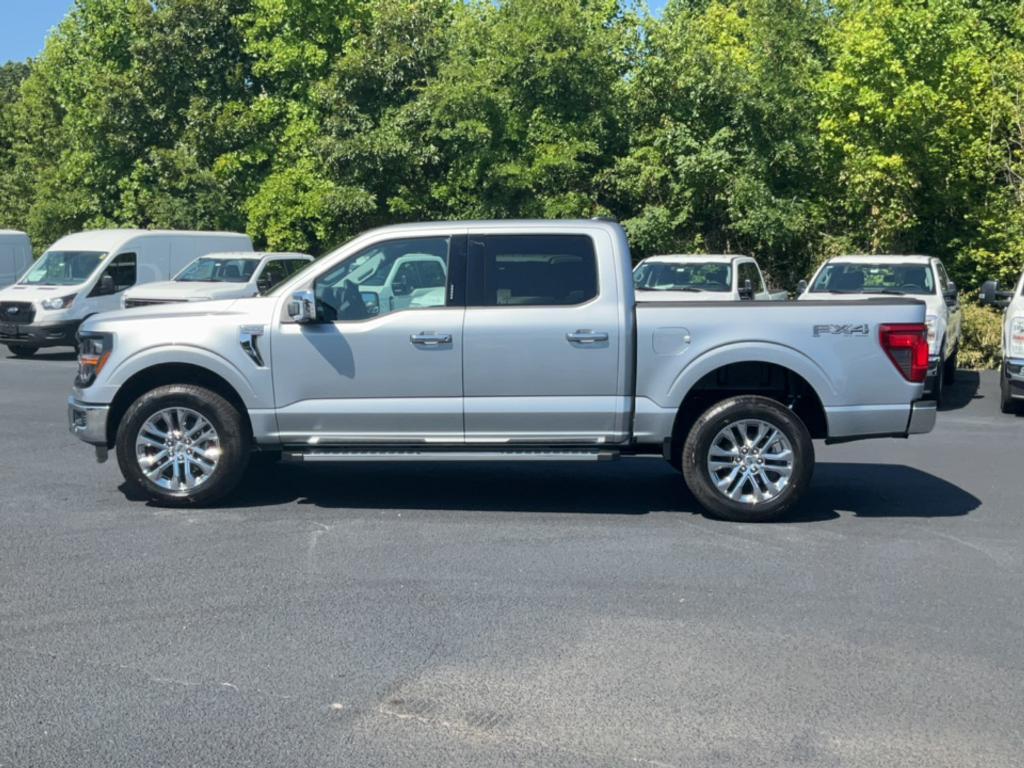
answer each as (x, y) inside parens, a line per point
(791, 129)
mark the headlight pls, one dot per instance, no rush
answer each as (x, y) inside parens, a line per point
(60, 302)
(932, 323)
(1017, 337)
(93, 353)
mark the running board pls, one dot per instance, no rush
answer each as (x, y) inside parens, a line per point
(324, 455)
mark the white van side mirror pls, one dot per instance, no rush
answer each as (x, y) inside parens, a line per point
(302, 307)
(801, 287)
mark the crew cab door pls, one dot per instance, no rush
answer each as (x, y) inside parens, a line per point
(364, 372)
(544, 353)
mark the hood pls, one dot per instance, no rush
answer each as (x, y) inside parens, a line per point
(930, 300)
(645, 296)
(161, 312)
(18, 292)
(181, 291)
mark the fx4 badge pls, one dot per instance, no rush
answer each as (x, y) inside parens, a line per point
(853, 329)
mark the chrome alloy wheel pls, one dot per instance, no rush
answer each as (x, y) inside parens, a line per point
(178, 449)
(750, 461)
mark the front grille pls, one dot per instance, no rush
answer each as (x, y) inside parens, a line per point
(21, 312)
(130, 303)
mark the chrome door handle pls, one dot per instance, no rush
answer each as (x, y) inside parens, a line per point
(586, 337)
(430, 339)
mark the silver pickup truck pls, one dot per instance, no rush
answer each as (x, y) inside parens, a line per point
(534, 350)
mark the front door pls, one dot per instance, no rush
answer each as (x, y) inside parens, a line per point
(367, 372)
(544, 342)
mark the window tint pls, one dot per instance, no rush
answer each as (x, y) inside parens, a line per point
(273, 273)
(123, 270)
(943, 277)
(386, 277)
(533, 270)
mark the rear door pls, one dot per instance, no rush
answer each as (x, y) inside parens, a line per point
(543, 339)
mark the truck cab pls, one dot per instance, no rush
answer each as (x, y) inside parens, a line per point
(702, 277)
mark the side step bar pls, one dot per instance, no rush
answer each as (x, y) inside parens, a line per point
(325, 455)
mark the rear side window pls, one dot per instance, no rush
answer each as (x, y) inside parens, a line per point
(748, 271)
(532, 270)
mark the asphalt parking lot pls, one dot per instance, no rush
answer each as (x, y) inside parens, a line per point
(551, 615)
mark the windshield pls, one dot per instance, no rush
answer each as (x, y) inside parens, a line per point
(691, 276)
(217, 269)
(63, 267)
(897, 279)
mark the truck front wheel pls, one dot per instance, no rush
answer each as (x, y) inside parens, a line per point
(183, 445)
(748, 459)
(21, 350)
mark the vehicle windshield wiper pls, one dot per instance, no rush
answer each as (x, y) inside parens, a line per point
(891, 292)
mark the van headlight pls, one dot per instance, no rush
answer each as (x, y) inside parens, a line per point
(59, 302)
(1016, 337)
(93, 353)
(932, 324)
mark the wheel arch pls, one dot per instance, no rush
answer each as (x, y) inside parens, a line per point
(163, 374)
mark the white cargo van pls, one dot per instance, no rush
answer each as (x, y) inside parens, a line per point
(15, 255)
(83, 274)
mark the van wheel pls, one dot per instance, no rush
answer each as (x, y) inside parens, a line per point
(183, 445)
(748, 459)
(20, 350)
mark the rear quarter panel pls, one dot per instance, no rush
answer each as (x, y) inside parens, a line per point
(834, 346)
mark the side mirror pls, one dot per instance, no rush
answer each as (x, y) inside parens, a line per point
(372, 302)
(747, 291)
(801, 287)
(989, 289)
(264, 284)
(302, 307)
(105, 287)
(952, 294)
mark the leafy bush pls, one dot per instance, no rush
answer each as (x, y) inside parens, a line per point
(981, 345)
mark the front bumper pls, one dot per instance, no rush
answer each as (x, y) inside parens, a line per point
(88, 422)
(1013, 372)
(41, 334)
(922, 417)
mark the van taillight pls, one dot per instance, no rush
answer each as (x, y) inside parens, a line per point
(906, 344)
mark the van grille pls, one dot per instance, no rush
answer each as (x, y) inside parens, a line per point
(130, 303)
(17, 312)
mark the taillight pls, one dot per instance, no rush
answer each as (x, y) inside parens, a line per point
(906, 344)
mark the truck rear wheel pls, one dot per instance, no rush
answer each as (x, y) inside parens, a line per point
(748, 459)
(183, 445)
(22, 350)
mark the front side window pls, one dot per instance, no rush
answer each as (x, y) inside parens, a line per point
(894, 279)
(532, 270)
(123, 270)
(63, 267)
(694, 277)
(218, 269)
(386, 277)
(273, 274)
(749, 271)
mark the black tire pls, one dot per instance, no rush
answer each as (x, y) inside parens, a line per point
(940, 384)
(21, 350)
(1006, 403)
(226, 420)
(950, 368)
(718, 417)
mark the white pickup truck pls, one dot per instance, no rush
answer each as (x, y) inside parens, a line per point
(702, 277)
(535, 350)
(1011, 378)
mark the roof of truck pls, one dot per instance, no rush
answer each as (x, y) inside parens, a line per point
(699, 258)
(882, 258)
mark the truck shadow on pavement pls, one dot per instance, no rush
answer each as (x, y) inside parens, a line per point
(631, 487)
(961, 392)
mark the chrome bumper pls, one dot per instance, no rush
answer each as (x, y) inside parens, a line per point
(922, 417)
(88, 422)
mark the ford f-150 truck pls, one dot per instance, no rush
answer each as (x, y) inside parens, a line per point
(536, 350)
